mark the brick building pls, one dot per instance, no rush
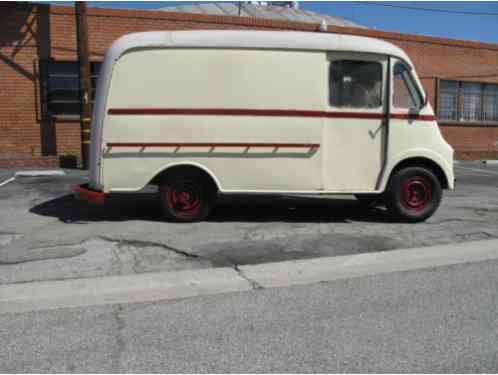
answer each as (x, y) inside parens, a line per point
(39, 104)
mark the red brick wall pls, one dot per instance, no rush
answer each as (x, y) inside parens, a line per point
(30, 32)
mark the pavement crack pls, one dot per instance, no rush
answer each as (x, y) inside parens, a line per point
(474, 236)
(117, 312)
(254, 284)
(455, 220)
(142, 244)
(118, 262)
(8, 257)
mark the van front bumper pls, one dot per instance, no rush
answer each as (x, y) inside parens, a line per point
(84, 193)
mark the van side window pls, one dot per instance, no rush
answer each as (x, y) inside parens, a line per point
(406, 94)
(355, 84)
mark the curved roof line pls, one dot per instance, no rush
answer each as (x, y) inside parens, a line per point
(291, 40)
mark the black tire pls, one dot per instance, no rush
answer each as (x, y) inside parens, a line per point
(413, 194)
(186, 197)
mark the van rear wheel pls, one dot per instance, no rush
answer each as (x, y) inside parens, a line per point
(186, 197)
(413, 194)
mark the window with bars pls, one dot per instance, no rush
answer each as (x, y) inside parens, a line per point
(490, 103)
(60, 86)
(468, 101)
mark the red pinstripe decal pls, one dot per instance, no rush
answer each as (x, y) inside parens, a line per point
(262, 112)
(180, 144)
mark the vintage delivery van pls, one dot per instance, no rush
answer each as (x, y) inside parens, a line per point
(202, 113)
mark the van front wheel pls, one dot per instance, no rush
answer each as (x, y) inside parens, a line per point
(413, 194)
(185, 198)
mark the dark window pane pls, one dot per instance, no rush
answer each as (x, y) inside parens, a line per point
(95, 71)
(448, 100)
(65, 108)
(356, 84)
(490, 103)
(61, 86)
(62, 82)
(95, 68)
(68, 68)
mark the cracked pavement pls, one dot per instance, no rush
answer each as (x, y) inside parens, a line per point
(436, 320)
(46, 235)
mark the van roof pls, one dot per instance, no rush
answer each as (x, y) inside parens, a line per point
(291, 40)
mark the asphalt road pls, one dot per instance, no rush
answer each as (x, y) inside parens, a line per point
(46, 235)
(435, 320)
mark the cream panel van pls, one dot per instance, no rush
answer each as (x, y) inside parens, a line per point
(202, 113)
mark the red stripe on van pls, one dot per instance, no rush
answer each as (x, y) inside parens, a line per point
(180, 144)
(261, 112)
(215, 112)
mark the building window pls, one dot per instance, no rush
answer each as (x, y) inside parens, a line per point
(356, 84)
(490, 103)
(471, 103)
(448, 100)
(468, 101)
(60, 86)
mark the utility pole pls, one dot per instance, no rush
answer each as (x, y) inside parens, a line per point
(85, 81)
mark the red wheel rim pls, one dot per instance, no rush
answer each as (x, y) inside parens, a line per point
(416, 193)
(184, 198)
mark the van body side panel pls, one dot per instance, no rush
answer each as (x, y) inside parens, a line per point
(223, 79)
(236, 168)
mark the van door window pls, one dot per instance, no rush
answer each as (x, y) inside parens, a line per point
(355, 84)
(405, 94)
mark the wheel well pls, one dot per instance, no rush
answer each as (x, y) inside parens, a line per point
(423, 162)
(188, 170)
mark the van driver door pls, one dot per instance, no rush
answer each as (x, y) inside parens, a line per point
(353, 138)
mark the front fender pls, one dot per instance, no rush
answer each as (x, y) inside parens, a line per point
(420, 153)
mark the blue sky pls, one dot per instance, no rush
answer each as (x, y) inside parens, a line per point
(473, 27)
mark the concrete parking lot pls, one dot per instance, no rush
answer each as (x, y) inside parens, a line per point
(46, 235)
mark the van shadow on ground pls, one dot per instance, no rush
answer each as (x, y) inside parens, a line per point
(125, 207)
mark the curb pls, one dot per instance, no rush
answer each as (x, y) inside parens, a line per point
(47, 295)
(317, 270)
(40, 173)
(34, 173)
